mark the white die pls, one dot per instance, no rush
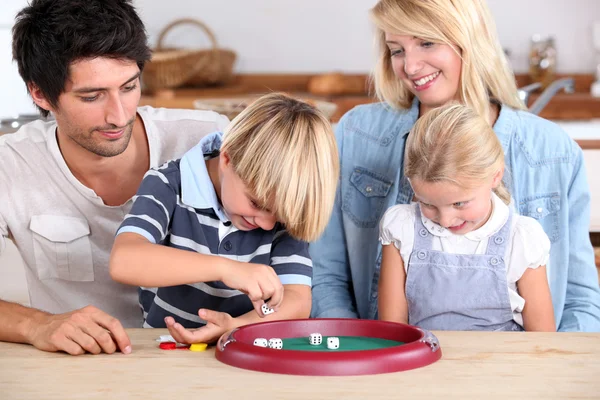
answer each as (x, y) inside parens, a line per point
(315, 339)
(276, 343)
(261, 342)
(333, 343)
(266, 310)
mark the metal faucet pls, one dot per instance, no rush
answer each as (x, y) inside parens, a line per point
(568, 84)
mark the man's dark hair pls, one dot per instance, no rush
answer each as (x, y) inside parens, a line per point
(49, 35)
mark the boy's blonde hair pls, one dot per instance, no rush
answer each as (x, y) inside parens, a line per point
(285, 152)
(465, 25)
(454, 144)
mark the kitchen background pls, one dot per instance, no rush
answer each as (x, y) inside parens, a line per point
(320, 36)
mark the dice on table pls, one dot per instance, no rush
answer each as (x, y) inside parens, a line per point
(261, 342)
(266, 310)
(276, 343)
(333, 343)
(315, 339)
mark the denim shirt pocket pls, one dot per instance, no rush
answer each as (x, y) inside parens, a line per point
(365, 197)
(545, 209)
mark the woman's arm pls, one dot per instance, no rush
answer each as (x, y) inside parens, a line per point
(538, 314)
(332, 292)
(392, 296)
(582, 303)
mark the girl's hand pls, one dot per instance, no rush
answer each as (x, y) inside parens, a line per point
(217, 323)
(258, 281)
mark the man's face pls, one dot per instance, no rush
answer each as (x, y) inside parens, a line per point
(98, 107)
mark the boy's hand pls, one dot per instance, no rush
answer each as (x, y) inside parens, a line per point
(77, 332)
(217, 323)
(258, 281)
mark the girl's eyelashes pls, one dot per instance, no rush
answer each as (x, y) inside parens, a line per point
(460, 204)
(427, 44)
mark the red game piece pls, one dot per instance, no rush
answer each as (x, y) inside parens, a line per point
(168, 345)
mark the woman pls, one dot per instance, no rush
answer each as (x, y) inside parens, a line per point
(430, 53)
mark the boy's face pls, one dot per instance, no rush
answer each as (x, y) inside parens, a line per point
(243, 210)
(98, 108)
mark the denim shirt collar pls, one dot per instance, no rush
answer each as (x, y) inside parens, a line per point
(413, 116)
(197, 190)
(504, 126)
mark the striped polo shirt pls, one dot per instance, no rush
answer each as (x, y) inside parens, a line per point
(177, 206)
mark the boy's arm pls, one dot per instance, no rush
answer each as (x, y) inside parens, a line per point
(137, 258)
(136, 261)
(296, 304)
(291, 262)
(392, 302)
(538, 314)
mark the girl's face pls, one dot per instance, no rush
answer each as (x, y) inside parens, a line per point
(431, 71)
(455, 208)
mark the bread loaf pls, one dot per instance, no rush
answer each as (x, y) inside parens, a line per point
(337, 84)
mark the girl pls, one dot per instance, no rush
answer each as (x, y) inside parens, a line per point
(431, 53)
(459, 258)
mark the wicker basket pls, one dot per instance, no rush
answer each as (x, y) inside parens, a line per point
(170, 68)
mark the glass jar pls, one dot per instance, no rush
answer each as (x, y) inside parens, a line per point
(542, 60)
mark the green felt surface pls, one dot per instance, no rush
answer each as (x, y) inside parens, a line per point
(347, 343)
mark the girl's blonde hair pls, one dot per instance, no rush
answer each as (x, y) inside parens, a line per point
(285, 152)
(465, 25)
(452, 143)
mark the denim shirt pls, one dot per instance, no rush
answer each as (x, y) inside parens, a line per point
(544, 173)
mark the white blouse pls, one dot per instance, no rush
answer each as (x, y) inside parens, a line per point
(528, 245)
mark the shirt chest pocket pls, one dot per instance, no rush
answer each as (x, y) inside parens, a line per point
(545, 209)
(365, 197)
(62, 248)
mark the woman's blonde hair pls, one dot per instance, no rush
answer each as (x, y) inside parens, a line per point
(452, 143)
(465, 25)
(285, 152)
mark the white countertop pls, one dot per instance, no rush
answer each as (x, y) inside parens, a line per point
(582, 129)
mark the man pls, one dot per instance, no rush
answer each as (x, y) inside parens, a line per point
(65, 185)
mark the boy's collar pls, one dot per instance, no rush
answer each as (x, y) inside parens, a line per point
(197, 190)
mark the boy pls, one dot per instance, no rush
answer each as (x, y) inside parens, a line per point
(225, 228)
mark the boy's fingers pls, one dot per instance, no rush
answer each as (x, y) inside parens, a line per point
(178, 332)
(213, 317)
(258, 307)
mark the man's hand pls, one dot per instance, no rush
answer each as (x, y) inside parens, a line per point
(217, 323)
(258, 281)
(86, 330)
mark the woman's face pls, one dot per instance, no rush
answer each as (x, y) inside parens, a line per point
(431, 71)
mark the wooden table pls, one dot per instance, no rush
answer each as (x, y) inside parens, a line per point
(475, 365)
